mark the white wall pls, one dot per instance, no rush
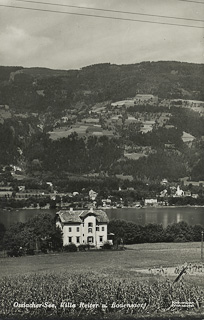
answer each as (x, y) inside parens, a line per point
(73, 233)
(83, 232)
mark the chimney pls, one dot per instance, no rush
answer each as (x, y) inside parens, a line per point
(91, 210)
(71, 210)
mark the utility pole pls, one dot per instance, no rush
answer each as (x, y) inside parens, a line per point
(201, 245)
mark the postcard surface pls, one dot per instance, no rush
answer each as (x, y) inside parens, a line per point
(101, 159)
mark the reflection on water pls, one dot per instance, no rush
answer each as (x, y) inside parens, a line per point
(14, 216)
(164, 216)
(150, 218)
(178, 217)
(165, 219)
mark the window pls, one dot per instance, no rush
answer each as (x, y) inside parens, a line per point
(103, 228)
(70, 229)
(90, 239)
(78, 239)
(97, 228)
(77, 229)
(90, 224)
(101, 238)
(70, 239)
(89, 230)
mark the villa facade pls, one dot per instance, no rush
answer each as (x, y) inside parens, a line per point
(83, 226)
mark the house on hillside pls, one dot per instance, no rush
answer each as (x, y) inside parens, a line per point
(92, 195)
(179, 192)
(83, 226)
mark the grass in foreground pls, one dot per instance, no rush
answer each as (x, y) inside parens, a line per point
(103, 277)
(89, 294)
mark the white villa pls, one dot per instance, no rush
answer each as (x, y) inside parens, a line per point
(83, 226)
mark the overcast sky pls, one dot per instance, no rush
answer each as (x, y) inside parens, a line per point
(61, 41)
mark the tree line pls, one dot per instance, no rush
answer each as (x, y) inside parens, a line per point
(41, 233)
(131, 233)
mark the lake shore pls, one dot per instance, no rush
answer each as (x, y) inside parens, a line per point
(164, 215)
(149, 207)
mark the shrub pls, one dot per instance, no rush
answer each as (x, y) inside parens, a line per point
(82, 247)
(15, 252)
(107, 246)
(70, 247)
(30, 252)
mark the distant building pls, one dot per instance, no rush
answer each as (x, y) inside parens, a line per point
(92, 195)
(83, 226)
(21, 188)
(150, 202)
(194, 183)
(179, 192)
(106, 202)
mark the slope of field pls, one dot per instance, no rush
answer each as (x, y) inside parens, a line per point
(117, 263)
(103, 284)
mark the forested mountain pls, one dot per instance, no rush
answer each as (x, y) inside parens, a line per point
(38, 104)
(35, 89)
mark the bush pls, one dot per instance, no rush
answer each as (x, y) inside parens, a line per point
(15, 252)
(82, 247)
(70, 247)
(30, 252)
(107, 246)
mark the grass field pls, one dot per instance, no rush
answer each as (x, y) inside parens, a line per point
(134, 155)
(107, 262)
(105, 277)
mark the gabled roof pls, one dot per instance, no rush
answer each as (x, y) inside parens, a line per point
(71, 216)
(66, 216)
(101, 215)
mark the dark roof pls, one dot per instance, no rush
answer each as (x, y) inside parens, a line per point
(78, 216)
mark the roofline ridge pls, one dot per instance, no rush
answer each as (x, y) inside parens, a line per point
(82, 212)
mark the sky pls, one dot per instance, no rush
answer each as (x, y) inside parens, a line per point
(32, 38)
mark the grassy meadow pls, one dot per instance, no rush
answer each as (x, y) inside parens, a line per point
(103, 278)
(118, 263)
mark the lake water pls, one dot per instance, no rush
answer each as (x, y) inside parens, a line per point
(164, 215)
